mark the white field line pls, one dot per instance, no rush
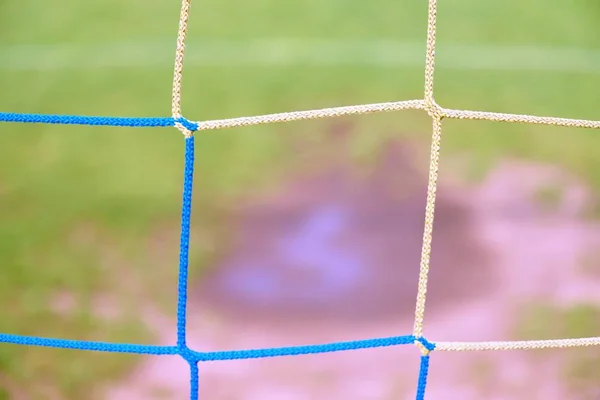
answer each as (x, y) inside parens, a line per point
(282, 52)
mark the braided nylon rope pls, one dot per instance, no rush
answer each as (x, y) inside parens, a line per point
(428, 104)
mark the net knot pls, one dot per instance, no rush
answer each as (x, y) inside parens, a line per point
(434, 110)
(185, 126)
(424, 345)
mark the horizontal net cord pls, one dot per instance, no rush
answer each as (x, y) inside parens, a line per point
(300, 350)
(60, 119)
(211, 355)
(311, 114)
(294, 350)
(292, 116)
(86, 120)
(88, 345)
(517, 345)
(519, 118)
(393, 106)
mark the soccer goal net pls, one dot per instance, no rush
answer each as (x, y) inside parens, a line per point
(188, 128)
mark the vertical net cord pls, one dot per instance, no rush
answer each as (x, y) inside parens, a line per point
(436, 114)
(186, 212)
(178, 70)
(194, 385)
(423, 372)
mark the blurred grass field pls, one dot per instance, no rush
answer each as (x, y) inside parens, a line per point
(81, 205)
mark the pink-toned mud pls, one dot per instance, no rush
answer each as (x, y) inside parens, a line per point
(495, 250)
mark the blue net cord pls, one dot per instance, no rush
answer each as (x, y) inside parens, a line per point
(184, 246)
(87, 345)
(194, 378)
(423, 372)
(191, 356)
(209, 355)
(95, 120)
(186, 213)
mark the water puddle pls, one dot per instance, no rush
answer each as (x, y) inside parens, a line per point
(313, 271)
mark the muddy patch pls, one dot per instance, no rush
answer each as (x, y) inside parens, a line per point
(346, 252)
(338, 247)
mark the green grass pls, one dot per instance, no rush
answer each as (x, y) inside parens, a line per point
(123, 185)
(579, 366)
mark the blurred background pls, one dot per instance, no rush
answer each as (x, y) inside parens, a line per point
(306, 232)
